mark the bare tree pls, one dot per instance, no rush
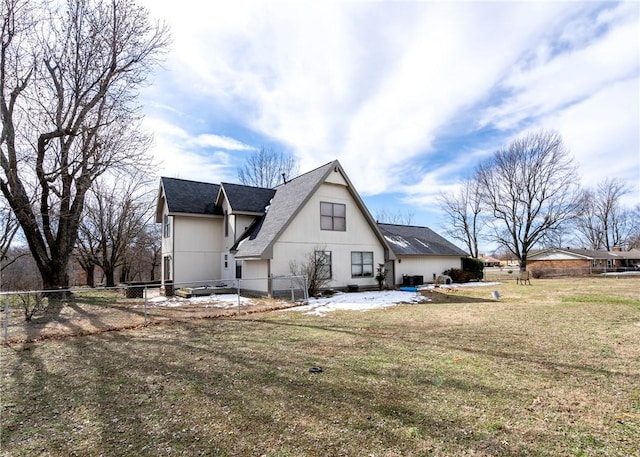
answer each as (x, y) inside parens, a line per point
(400, 217)
(116, 213)
(8, 230)
(69, 79)
(587, 223)
(316, 268)
(634, 238)
(531, 188)
(143, 256)
(464, 220)
(267, 168)
(603, 222)
(21, 273)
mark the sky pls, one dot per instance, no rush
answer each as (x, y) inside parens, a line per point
(408, 96)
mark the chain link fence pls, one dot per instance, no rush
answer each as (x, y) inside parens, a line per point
(540, 272)
(35, 315)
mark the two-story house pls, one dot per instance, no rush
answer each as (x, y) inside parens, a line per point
(228, 231)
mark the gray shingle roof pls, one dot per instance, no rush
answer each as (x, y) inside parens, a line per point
(246, 199)
(414, 240)
(194, 197)
(285, 204)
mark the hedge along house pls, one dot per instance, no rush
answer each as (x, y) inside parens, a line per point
(228, 231)
(421, 254)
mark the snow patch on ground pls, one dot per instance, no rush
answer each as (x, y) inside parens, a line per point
(217, 301)
(359, 301)
(341, 301)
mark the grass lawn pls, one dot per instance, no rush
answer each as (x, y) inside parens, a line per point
(550, 369)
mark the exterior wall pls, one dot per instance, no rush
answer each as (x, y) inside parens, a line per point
(257, 274)
(197, 248)
(562, 267)
(240, 225)
(237, 225)
(426, 266)
(303, 235)
(167, 244)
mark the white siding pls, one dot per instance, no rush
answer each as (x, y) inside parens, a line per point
(241, 224)
(425, 266)
(167, 242)
(237, 226)
(256, 273)
(197, 248)
(303, 236)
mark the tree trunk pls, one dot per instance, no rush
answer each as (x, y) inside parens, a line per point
(54, 273)
(124, 273)
(109, 275)
(90, 271)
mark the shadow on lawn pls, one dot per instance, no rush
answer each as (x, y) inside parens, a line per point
(230, 389)
(148, 395)
(452, 296)
(451, 340)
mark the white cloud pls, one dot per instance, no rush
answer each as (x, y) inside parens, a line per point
(603, 134)
(377, 84)
(199, 157)
(223, 142)
(548, 82)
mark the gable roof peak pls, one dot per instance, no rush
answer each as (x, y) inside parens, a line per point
(306, 174)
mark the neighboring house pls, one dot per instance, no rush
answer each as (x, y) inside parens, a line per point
(228, 231)
(489, 261)
(569, 261)
(419, 252)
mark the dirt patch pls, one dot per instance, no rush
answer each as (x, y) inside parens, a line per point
(452, 295)
(79, 318)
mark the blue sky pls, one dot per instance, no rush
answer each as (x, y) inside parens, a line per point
(409, 96)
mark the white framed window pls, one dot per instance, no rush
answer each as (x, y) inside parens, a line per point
(323, 264)
(167, 267)
(333, 216)
(167, 226)
(361, 264)
(238, 269)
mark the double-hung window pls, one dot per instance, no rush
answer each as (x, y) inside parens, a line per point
(167, 268)
(167, 226)
(323, 264)
(361, 264)
(333, 216)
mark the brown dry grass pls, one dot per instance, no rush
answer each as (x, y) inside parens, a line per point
(550, 369)
(94, 311)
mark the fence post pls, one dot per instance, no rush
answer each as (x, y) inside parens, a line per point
(238, 292)
(145, 304)
(6, 320)
(293, 297)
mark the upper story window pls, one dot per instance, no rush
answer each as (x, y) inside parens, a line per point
(226, 223)
(167, 226)
(333, 216)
